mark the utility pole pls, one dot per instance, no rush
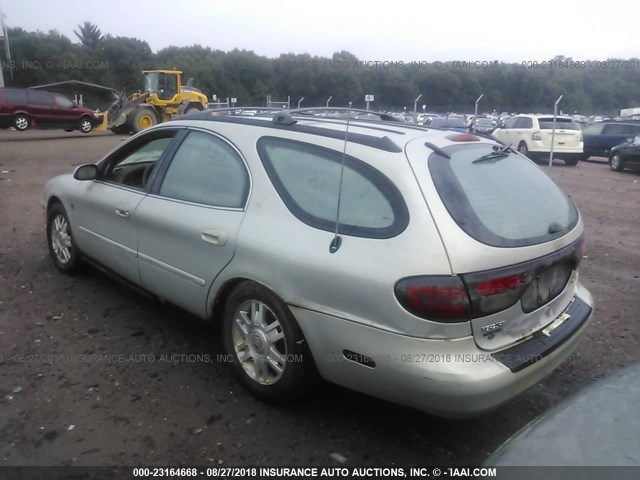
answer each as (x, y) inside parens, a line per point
(553, 130)
(4, 39)
(415, 104)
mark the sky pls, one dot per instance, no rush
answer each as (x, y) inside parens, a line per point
(401, 30)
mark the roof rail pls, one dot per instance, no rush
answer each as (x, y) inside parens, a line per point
(353, 111)
(245, 110)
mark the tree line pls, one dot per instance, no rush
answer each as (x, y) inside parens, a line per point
(588, 87)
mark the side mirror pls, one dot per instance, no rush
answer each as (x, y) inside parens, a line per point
(86, 172)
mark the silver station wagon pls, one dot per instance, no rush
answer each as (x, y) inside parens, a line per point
(431, 268)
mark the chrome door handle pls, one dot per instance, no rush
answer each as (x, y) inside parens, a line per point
(215, 237)
(122, 211)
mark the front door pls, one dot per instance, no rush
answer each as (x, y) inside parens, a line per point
(106, 211)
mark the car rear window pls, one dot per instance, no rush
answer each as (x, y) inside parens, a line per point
(506, 201)
(546, 123)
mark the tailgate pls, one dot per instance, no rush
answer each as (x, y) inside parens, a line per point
(511, 234)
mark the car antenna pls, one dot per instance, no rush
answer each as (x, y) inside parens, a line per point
(337, 239)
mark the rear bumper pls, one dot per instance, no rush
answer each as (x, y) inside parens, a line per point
(558, 150)
(449, 378)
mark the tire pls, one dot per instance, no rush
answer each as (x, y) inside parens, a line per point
(616, 163)
(572, 162)
(141, 119)
(522, 148)
(85, 125)
(192, 109)
(120, 129)
(21, 122)
(270, 355)
(60, 240)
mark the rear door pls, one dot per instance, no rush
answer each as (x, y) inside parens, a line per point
(506, 133)
(189, 223)
(41, 107)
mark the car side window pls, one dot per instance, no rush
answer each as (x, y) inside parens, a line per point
(43, 99)
(630, 130)
(63, 101)
(510, 123)
(614, 129)
(208, 170)
(307, 178)
(15, 97)
(593, 129)
(133, 167)
(523, 122)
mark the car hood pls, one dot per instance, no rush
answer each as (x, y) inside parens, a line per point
(597, 426)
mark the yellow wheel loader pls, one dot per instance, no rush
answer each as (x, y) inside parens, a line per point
(163, 98)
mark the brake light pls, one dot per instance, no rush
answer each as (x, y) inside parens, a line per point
(451, 299)
(536, 136)
(501, 285)
(436, 298)
(463, 137)
(493, 291)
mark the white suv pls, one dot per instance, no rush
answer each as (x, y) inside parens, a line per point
(531, 135)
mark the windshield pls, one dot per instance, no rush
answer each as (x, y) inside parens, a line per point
(151, 82)
(504, 199)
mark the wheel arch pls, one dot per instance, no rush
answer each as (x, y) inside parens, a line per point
(187, 104)
(52, 200)
(218, 299)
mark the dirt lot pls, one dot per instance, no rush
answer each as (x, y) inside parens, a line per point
(60, 404)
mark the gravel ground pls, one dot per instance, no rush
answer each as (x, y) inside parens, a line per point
(61, 403)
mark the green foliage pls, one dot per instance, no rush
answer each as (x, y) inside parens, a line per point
(40, 58)
(89, 35)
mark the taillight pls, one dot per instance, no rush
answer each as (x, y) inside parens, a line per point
(463, 137)
(442, 299)
(460, 298)
(495, 290)
(536, 136)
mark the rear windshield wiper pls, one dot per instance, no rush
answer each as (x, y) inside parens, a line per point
(497, 154)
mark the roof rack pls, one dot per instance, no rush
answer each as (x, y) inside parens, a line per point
(354, 112)
(249, 111)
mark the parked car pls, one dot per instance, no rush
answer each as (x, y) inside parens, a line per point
(625, 155)
(449, 123)
(601, 137)
(531, 135)
(403, 262)
(25, 108)
(564, 436)
(483, 125)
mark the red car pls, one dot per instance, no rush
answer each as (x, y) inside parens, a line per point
(24, 108)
